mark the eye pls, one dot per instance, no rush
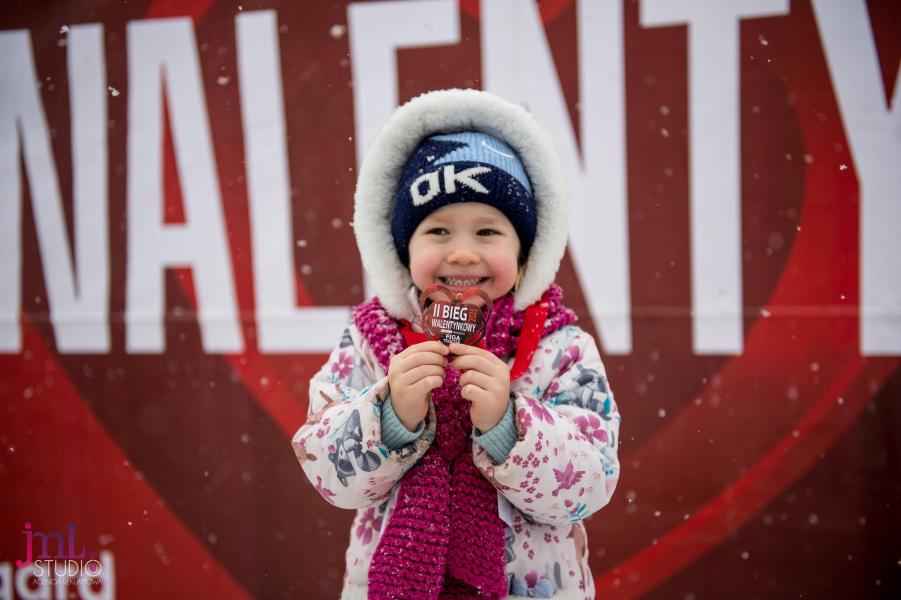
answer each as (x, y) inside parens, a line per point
(437, 231)
(488, 232)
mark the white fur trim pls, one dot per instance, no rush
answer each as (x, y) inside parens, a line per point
(358, 592)
(353, 592)
(447, 111)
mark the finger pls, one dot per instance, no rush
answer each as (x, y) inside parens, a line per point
(421, 358)
(430, 346)
(412, 376)
(465, 349)
(479, 363)
(474, 393)
(427, 384)
(401, 363)
(482, 380)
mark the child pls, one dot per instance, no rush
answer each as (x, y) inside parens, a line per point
(471, 468)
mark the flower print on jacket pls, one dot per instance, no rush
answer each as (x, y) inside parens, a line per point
(542, 413)
(369, 523)
(523, 420)
(590, 424)
(343, 366)
(567, 357)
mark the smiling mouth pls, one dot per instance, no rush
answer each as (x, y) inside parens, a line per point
(461, 282)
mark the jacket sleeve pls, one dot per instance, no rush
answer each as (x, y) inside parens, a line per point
(564, 466)
(340, 446)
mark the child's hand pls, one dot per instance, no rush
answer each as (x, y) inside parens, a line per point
(485, 383)
(412, 374)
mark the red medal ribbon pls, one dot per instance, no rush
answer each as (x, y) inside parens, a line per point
(532, 328)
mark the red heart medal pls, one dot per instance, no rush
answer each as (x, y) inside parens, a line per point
(455, 319)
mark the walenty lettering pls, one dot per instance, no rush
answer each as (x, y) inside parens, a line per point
(163, 62)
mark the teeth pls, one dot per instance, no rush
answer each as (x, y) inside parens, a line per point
(461, 282)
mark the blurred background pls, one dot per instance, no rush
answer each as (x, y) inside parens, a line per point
(177, 258)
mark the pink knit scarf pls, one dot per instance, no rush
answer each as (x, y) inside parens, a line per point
(445, 538)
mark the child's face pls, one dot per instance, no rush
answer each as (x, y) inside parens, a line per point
(465, 245)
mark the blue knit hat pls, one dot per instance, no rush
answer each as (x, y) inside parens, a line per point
(469, 166)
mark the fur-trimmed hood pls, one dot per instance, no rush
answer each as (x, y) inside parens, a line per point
(448, 111)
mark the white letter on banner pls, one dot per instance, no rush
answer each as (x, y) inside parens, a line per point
(282, 327)
(157, 47)
(874, 133)
(377, 30)
(714, 145)
(78, 301)
(6, 581)
(518, 66)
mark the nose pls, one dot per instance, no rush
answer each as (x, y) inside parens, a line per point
(462, 254)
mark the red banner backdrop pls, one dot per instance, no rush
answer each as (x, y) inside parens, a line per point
(770, 469)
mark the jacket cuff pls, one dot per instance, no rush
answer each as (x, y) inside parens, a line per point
(394, 434)
(500, 439)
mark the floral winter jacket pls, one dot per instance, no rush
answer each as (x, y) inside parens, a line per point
(563, 468)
